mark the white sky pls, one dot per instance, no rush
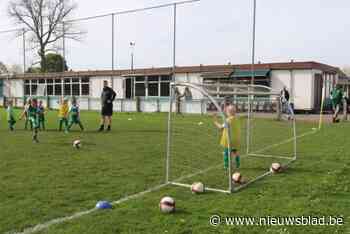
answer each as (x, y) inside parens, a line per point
(209, 32)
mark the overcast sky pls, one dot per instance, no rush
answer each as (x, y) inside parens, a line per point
(209, 32)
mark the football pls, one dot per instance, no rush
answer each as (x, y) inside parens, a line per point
(167, 205)
(237, 177)
(276, 168)
(197, 187)
(77, 144)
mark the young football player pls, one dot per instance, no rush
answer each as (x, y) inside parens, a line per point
(63, 114)
(10, 115)
(33, 117)
(74, 115)
(232, 146)
(25, 115)
(41, 111)
(336, 98)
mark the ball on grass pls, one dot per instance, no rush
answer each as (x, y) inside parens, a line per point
(77, 144)
(167, 205)
(276, 168)
(237, 177)
(197, 188)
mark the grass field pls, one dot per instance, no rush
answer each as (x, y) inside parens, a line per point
(49, 180)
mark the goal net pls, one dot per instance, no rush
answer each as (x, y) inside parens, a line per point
(267, 134)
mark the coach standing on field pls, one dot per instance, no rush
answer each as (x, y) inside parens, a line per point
(107, 97)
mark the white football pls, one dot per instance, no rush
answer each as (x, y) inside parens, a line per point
(167, 205)
(237, 177)
(275, 168)
(197, 187)
(200, 123)
(77, 144)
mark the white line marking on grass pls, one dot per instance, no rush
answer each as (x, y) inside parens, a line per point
(43, 226)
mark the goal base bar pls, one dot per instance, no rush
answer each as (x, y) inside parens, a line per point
(206, 188)
(269, 156)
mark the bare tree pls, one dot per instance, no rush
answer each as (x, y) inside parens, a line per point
(3, 68)
(43, 21)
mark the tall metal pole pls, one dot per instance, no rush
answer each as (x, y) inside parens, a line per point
(172, 95)
(113, 32)
(132, 46)
(252, 81)
(24, 50)
(253, 46)
(174, 42)
(63, 46)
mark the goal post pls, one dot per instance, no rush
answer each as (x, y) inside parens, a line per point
(268, 135)
(177, 181)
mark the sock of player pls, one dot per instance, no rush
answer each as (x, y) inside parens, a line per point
(60, 126)
(238, 161)
(109, 127)
(225, 159)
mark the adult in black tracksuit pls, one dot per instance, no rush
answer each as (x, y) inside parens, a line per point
(107, 97)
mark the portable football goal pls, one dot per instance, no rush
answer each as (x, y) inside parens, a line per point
(267, 135)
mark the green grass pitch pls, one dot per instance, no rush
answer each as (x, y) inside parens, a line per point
(41, 182)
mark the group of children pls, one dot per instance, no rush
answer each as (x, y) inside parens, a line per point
(34, 114)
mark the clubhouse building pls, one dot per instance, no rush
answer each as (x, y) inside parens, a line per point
(304, 80)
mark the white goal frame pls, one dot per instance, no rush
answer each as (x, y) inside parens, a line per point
(238, 89)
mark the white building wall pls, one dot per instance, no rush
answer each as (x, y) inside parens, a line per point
(300, 86)
(119, 87)
(96, 85)
(190, 78)
(13, 88)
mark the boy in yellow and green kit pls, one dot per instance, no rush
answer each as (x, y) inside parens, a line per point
(232, 146)
(63, 112)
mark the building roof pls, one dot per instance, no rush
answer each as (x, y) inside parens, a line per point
(183, 69)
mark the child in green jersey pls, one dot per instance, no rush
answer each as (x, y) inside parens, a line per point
(33, 117)
(10, 115)
(41, 111)
(74, 115)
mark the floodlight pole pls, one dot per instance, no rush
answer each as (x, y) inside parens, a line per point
(24, 50)
(132, 47)
(174, 42)
(63, 46)
(113, 35)
(253, 46)
(252, 81)
(172, 95)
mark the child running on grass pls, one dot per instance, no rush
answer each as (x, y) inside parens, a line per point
(41, 111)
(10, 115)
(74, 115)
(33, 117)
(232, 147)
(63, 114)
(25, 115)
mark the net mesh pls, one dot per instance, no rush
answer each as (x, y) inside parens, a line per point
(266, 132)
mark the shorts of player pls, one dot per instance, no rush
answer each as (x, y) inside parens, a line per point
(41, 119)
(74, 120)
(107, 109)
(34, 121)
(11, 121)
